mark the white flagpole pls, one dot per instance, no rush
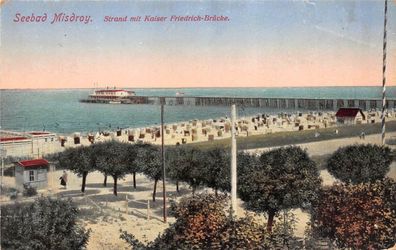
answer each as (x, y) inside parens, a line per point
(233, 162)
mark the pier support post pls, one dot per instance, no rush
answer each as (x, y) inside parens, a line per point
(335, 104)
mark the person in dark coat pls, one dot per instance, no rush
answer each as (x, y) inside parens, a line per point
(63, 179)
(63, 183)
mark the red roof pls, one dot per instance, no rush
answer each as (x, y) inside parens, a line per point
(111, 90)
(349, 112)
(33, 163)
(38, 133)
(16, 138)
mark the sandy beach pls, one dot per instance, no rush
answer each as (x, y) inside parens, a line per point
(309, 124)
(195, 131)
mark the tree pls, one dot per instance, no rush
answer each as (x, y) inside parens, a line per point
(245, 162)
(80, 160)
(111, 162)
(175, 170)
(360, 163)
(190, 167)
(283, 178)
(358, 216)
(99, 149)
(44, 224)
(149, 157)
(185, 164)
(216, 169)
(130, 157)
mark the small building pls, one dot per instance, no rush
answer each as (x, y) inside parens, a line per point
(350, 116)
(32, 173)
(32, 144)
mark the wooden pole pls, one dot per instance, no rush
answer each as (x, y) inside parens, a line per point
(163, 162)
(2, 170)
(148, 209)
(3, 154)
(126, 204)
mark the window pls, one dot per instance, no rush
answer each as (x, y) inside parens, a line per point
(31, 175)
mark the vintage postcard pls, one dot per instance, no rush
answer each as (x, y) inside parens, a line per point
(198, 124)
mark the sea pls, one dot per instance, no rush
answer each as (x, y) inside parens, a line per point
(61, 112)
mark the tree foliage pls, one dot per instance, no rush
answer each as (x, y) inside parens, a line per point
(216, 169)
(202, 223)
(360, 163)
(110, 161)
(43, 224)
(359, 216)
(283, 178)
(149, 158)
(80, 160)
(186, 164)
(199, 220)
(130, 157)
(176, 169)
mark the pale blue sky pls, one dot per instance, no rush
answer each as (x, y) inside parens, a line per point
(323, 30)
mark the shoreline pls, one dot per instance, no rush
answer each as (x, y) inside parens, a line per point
(256, 131)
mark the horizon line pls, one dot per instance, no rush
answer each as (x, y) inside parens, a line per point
(198, 87)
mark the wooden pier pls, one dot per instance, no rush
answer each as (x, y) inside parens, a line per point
(258, 102)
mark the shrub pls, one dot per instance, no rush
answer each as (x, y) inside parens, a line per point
(44, 224)
(358, 216)
(10, 191)
(9, 171)
(202, 223)
(29, 191)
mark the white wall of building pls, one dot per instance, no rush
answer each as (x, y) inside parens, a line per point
(35, 147)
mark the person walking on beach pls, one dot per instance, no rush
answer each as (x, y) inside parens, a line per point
(63, 179)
